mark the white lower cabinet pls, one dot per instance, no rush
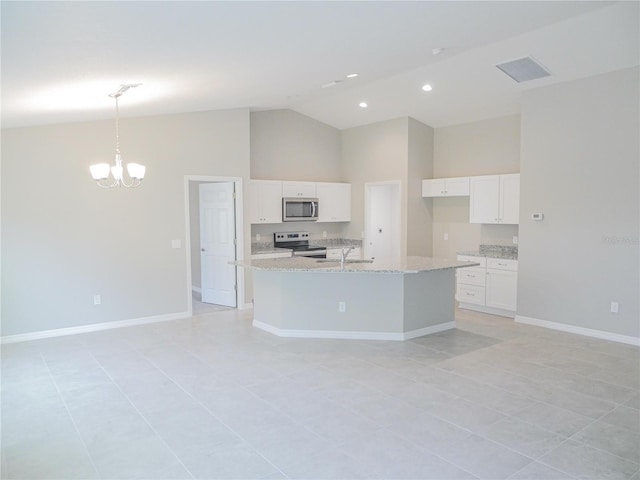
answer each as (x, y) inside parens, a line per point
(502, 284)
(492, 286)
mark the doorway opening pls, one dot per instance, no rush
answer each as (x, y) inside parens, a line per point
(382, 220)
(214, 237)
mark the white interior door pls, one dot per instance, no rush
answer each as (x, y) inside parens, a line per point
(383, 222)
(217, 243)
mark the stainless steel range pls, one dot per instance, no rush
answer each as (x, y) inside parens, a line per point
(298, 242)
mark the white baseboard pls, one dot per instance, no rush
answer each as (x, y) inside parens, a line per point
(483, 309)
(246, 306)
(351, 335)
(59, 332)
(587, 332)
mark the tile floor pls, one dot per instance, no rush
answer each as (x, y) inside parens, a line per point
(211, 397)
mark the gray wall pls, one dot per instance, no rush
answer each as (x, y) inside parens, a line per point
(64, 239)
(580, 167)
(485, 147)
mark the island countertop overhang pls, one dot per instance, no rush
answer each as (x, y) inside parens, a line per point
(401, 265)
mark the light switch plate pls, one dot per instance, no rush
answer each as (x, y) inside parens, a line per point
(176, 243)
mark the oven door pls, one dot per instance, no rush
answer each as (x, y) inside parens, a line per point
(299, 209)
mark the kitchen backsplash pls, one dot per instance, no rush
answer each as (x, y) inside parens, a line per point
(324, 242)
(503, 250)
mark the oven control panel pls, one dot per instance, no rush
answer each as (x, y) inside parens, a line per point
(291, 236)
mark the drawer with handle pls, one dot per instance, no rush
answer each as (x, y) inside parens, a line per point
(500, 264)
(472, 276)
(470, 294)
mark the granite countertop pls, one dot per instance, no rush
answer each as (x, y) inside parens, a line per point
(494, 251)
(264, 249)
(336, 242)
(389, 265)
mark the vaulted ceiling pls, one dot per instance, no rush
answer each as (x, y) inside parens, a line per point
(60, 60)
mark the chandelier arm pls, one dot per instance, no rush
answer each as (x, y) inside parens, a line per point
(101, 183)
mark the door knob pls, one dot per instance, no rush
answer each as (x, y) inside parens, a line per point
(202, 250)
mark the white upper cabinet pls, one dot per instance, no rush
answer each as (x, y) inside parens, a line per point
(510, 198)
(334, 202)
(265, 201)
(495, 199)
(299, 189)
(446, 187)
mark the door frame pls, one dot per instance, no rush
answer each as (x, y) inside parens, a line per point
(239, 229)
(397, 240)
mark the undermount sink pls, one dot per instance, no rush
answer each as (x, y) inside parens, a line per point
(332, 260)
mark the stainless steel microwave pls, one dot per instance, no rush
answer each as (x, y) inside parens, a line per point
(299, 209)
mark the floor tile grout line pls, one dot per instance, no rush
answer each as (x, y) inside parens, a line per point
(275, 345)
(143, 418)
(545, 464)
(216, 417)
(589, 446)
(73, 421)
(530, 398)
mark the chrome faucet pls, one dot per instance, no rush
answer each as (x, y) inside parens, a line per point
(343, 256)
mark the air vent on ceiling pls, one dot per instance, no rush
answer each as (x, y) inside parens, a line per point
(524, 69)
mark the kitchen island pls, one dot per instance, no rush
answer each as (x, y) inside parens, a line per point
(387, 299)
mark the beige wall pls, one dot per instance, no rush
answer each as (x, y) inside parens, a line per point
(375, 153)
(419, 210)
(64, 239)
(486, 147)
(286, 145)
(581, 168)
(394, 150)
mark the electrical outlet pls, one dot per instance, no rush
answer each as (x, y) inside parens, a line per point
(97, 300)
(515, 239)
(614, 307)
(446, 236)
(324, 234)
(342, 307)
(258, 237)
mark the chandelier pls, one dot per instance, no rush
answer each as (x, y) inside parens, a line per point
(100, 171)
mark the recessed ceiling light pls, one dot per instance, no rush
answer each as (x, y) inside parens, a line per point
(427, 88)
(352, 75)
(363, 105)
